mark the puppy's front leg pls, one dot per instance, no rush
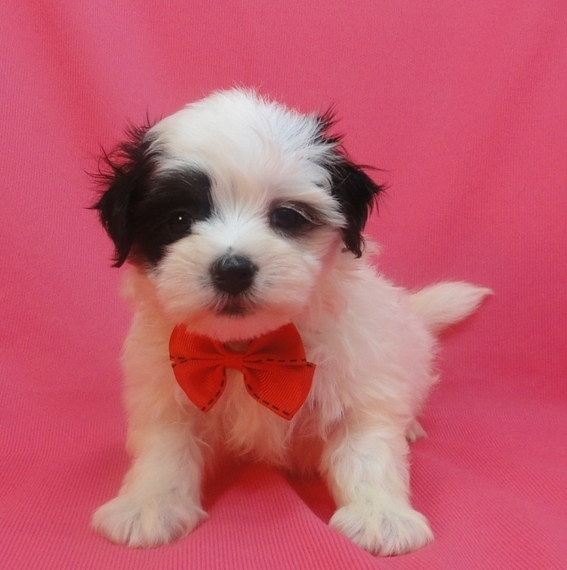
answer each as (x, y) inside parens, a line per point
(160, 498)
(367, 471)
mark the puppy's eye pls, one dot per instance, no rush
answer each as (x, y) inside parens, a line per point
(288, 220)
(179, 224)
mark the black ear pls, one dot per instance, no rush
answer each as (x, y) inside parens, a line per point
(356, 194)
(123, 175)
(353, 189)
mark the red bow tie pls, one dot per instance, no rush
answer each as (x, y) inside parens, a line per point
(274, 367)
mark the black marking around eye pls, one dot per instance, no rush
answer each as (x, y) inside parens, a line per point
(165, 213)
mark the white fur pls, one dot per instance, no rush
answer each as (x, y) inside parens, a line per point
(372, 342)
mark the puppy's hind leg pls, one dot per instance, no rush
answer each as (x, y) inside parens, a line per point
(415, 431)
(366, 467)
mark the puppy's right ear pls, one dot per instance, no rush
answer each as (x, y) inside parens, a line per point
(123, 175)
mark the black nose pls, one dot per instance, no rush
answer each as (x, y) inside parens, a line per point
(233, 274)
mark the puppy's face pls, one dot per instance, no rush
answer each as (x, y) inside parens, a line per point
(234, 208)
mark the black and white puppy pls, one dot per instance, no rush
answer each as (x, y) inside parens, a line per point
(239, 216)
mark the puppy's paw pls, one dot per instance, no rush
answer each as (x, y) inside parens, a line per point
(145, 523)
(383, 529)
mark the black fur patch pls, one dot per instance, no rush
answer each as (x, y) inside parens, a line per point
(140, 209)
(154, 222)
(353, 189)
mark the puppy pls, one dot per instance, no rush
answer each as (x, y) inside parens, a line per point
(242, 224)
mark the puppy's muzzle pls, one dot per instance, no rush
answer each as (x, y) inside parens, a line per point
(233, 274)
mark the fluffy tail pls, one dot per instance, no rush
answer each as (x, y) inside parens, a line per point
(448, 303)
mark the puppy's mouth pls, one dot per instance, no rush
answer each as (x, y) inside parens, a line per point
(234, 307)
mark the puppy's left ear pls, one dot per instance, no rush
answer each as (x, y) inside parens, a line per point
(356, 194)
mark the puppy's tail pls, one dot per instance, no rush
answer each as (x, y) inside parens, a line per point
(447, 303)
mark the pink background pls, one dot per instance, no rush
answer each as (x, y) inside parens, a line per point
(464, 104)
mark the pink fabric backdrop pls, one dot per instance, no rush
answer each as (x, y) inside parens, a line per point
(464, 104)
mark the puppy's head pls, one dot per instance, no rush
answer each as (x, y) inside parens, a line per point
(233, 208)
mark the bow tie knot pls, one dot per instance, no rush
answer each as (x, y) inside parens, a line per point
(275, 370)
(234, 360)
